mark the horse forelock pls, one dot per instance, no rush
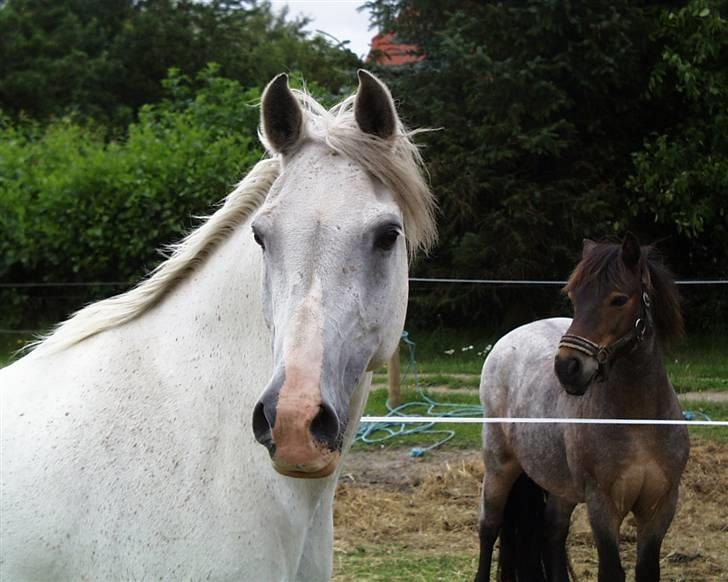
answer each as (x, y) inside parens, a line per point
(603, 268)
(600, 267)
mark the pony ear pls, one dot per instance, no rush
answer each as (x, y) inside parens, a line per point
(280, 115)
(631, 251)
(374, 109)
(587, 245)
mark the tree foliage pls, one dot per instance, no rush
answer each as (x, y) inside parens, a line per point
(553, 121)
(561, 121)
(106, 58)
(680, 179)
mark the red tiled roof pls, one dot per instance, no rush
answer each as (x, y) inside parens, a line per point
(385, 51)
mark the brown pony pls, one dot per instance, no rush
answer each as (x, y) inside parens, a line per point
(608, 364)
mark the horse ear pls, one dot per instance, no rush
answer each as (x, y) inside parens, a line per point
(587, 245)
(374, 108)
(631, 251)
(280, 115)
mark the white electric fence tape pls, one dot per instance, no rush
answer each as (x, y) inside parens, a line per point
(514, 420)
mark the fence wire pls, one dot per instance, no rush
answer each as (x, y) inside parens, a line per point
(494, 282)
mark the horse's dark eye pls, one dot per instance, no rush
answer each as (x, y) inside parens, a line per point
(258, 239)
(619, 301)
(386, 239)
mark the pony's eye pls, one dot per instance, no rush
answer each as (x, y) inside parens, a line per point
(259, 240)
(619, 301)
(386, 239)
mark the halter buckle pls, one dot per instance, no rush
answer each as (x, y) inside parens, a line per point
(641, 327)
(602, 355)
(646, 301)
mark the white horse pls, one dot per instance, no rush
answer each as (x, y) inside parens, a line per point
(129, 434)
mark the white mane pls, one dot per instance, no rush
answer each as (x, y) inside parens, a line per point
(395, 162)
(186, 256)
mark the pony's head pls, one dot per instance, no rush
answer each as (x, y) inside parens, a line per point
(621, 295)
(334, 232)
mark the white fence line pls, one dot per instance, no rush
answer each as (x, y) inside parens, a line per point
(535, 420)
(537, 282)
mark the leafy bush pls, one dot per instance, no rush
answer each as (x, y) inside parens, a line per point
(74, 208)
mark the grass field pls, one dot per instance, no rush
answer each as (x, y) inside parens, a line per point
(449, 363)
(698, 363)
(397, 564)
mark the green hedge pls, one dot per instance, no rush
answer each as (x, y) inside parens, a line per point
(76, 208)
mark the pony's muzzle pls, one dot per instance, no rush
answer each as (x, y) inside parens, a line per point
(574, 372)
(302, 433)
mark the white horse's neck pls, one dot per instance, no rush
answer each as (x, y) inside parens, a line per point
(161, 407)
(212, 339)
(212, 320)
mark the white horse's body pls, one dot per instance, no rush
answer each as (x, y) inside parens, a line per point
(129, 454)
(142, 454)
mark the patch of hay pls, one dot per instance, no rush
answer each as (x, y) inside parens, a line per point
(432, 505)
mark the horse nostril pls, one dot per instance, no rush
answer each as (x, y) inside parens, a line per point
(573, 367)
(567, 369)
(264, 413)
(325, 427)
(262, 424)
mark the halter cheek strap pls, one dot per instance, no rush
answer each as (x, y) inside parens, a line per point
(605, 354)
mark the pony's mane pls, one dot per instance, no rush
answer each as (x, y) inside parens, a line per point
(396, 163)
(602, 266)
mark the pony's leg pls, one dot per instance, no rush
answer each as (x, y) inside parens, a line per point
(605, 521)
(501, 471)
(558, 519)
(652, 523)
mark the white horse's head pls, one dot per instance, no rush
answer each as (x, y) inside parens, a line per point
(334, 232)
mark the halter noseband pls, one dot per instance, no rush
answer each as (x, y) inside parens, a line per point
(604, 354)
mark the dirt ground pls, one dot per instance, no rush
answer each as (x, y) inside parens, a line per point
(429, 507)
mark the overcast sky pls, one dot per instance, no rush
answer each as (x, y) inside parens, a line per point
(338, 18)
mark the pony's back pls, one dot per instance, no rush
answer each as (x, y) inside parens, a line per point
(520, 357)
